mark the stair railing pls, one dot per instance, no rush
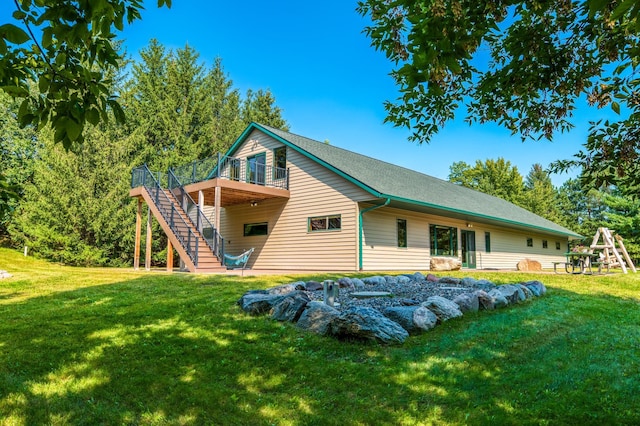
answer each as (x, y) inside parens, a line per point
(202, 224)
(142, 176)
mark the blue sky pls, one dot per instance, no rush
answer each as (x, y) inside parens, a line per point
(329, 81)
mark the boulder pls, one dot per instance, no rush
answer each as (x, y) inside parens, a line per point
(511, 292)
(317, 317)
(391, 279)
(536, 287)
(528, 294)
(403, 279)
(414, 319)
(449, 280)
(468, 282)
(529, 265)
(290, 307)
(444, 309)
(499, 301)
(283, 289)
(485, 285)
(358, 284)
(258, 303)
(376, 280)
(485, 301)
(418, 276)
(368, 324)
(313, 286)
(445, 264)
(467, 302)
(432, 278)
(346, 282)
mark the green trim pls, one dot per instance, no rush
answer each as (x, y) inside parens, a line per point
(318, 160)
(468, 213)
(368, 209)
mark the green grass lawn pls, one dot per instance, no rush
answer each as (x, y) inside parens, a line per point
(109, 346)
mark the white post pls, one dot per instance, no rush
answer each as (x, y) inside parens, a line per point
(26, 249)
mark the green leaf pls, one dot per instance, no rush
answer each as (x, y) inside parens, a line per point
(74, 129)
(15, 91)
(13, 34)
(93, 116)
(615, 107)
(118, 113)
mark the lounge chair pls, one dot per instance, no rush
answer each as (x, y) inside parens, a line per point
(239, 261)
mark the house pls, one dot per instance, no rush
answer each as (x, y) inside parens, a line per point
(307, 205)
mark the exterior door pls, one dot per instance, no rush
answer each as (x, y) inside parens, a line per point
(256, 168)
(468, 249)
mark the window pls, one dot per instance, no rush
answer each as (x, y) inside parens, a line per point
(487, 242)
(444, 240)
(253, 229)
(280, 162)
(402, 232)
(557, 245)
(325, 223)
(544, 244)
(529, 242)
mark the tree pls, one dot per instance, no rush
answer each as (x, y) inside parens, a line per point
(18, 153)
(260, 107)
(494, 177)
(540, 197)
(543, 57)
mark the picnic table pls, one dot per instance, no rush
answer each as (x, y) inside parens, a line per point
(580, 262)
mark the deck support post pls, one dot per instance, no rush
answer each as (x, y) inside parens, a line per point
(200, 209)
(217, 208)
(147, 257)
(169, 256)
(136, 250)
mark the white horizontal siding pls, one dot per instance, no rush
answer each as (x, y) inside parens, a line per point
(508, 247)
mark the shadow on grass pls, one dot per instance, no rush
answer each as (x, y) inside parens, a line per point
(167, 350)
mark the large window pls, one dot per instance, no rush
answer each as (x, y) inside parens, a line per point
(325, 223)
(444, 240)
(280, 162)
(402, 232)
(252, 229)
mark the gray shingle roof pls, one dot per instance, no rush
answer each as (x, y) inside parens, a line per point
(409, 188)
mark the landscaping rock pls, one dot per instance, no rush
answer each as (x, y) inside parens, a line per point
(467, 302)
(290, 307)
(417, 276)
(499, 301)
(391, 279)
(258, 303)
(536, 287)
(414, 319)
(528, 294)
(529, 265)
(512, 293)
(485, 285)
(407, 302)
(449, 280)
(358, 284)
(432, 278)
(485, 301)
(317, 317)
(401, 279)
(445, 264)
(314, 286)
(282, 289)
(444, 309)
(4, 274)
(346, 282)
(369, 324)
(376, 280)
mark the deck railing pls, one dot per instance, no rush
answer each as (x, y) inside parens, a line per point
(142, 176)
(203, 225)
(237, 169)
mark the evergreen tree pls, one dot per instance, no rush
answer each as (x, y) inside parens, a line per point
(259, 107)
(540, 197)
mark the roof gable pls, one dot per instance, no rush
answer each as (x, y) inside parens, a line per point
(386, 180)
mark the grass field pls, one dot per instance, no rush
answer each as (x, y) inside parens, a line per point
(109, 346)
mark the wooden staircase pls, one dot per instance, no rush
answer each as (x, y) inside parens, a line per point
(186, 239)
